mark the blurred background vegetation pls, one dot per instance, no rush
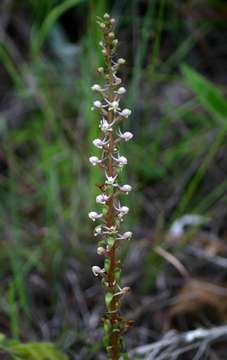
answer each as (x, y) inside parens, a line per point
(176, 76)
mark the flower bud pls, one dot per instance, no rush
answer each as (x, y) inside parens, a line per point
(121, 61)
(126, 188)
(111, 35)
(94, 160)
(126, 290)
(101, 250)
(121, 91)
(102, 25)
(97, 270)
(126, 113)
(101, 70)
(97, 104)
(122, 160)
(96, 87)
(102, 199)
(127, 235)
(106, 16)
(99, 143)
(93, 215)
(124, 209)
(126, 135)
(115, 42)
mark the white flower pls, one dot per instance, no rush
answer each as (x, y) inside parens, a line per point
(102, 199)
(99, 143)
(127, 135)
(126, 188)
(121, 160)
(101, 250)
(96, 87)
(127, 235)
(110, 180)
(125, 113)
(94, 160)
(105, 126)
(121, 91)
(98, 230)
(93, 215)
(122, 211)
(121, 61)
(118, 81)
(114, 105)
(97, 270)
(97, 104)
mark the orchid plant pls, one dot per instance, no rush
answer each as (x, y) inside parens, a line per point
(113, 211)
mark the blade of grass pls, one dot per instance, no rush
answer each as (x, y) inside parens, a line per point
(38, 36)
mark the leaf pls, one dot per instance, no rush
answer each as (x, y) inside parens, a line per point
(124, 356)
(2, 338)
(36, 351)
(41, 34)
(208, 94)
(108, 299)
(110, 241)
(117, 274)
(107, 264)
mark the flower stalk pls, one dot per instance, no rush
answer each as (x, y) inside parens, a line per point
(113, 211)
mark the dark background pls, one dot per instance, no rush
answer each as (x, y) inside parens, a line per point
(176, 76)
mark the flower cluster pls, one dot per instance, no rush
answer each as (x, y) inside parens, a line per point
(111, 161)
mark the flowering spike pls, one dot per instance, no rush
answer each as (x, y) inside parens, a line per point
(112, 162)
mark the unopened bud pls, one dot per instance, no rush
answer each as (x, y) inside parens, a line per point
(121, 61)
(100, 70)
(115, 42)
(126, 188)
(121, 90)
(101, 250)
(96, 87)
(97, 270)
(111, 35)
(127, 235)
(126, 290)
(106, 16)
(97, 104)
(126, 113)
